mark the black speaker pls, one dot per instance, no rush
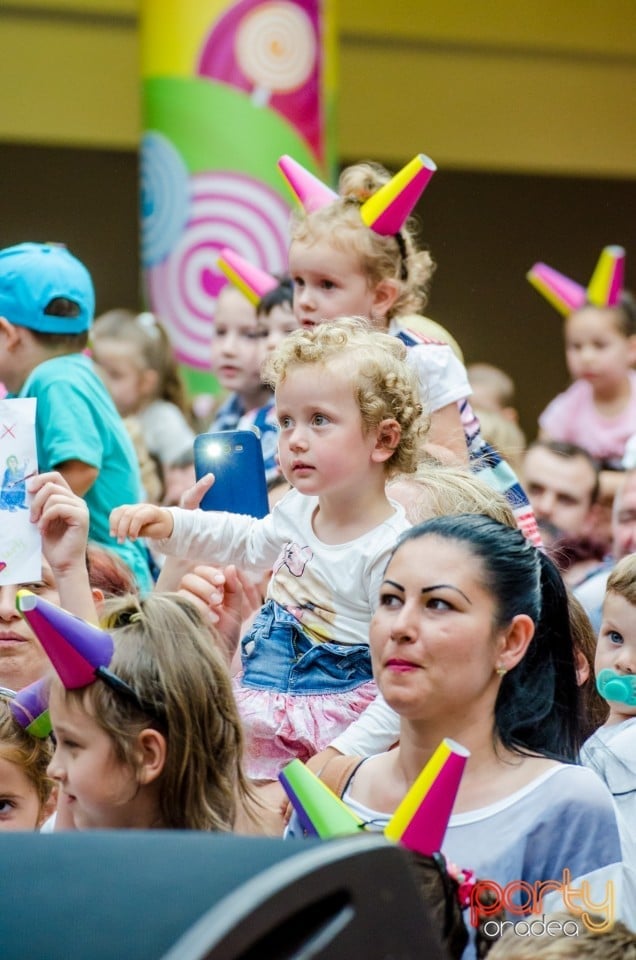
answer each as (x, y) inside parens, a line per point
(172, 895)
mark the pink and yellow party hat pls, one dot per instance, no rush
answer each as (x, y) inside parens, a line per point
(420, 821)
(320, 811)
(30, 707)
(76, 648)
(604, 289)
(310, 192)
(389, 208)
(562, 293)
(253, 282)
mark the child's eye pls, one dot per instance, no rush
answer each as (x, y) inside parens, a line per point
(327, 284)
(6, 806)
(284, 422)
(615, 637)
(35, 587)
(320, 419)
(299, 282)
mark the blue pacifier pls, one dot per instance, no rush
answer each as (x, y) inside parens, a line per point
(617, 686)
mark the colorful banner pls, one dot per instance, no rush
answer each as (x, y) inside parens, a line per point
(227, 89)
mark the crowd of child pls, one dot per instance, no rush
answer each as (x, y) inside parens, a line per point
(398, 593)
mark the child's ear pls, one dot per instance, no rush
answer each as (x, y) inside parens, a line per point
(149, 382)
(151, 759)
(631, 349)
(48, 807)
(388, 437)
(384, 296)
(11, 333)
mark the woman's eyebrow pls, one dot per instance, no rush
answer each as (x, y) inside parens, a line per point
(392, 583)
(446, 586)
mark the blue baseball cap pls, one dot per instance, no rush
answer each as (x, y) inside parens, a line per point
(33, 274)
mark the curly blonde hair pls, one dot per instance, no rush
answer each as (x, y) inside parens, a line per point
(381, 258)
(164, 651)
(385, 387)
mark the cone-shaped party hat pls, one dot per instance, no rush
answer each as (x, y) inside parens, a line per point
(310, 192)
(605, 287)
(389, 208)
(75, 648)
(30, 708)
(253, 282)
(320, 811)
(420, 821)
(562, 293)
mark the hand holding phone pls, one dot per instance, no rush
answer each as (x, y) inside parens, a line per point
(235, 458)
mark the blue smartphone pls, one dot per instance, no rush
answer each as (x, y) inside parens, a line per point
(235, 457)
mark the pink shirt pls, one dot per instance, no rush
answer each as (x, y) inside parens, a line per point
(572, 417)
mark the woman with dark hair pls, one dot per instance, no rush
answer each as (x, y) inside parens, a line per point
(471, 641)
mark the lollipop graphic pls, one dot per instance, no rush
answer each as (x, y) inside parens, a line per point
(226, 210)
(165, 197)
(275, 47)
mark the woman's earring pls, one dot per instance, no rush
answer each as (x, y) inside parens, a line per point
(501, 671)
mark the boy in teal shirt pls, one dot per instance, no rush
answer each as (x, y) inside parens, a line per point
(47, 305)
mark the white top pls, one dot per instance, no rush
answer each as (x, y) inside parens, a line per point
(166, 431)
(376, 730)
(611, 753)
(332, 589)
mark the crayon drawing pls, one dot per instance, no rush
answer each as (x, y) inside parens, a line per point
(20, 543)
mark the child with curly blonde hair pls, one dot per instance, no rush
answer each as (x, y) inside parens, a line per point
(349, 417)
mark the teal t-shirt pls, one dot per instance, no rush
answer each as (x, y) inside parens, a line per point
(76, 419)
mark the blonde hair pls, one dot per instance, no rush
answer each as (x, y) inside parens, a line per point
(381, 258)
(437, 490)
(622, 579)
(164, 651)
(617, 943)
(30, 753)
(385, 387)
(150, 346)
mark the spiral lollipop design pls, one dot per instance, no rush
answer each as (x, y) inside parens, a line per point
(226, 210)
(165, 197)
(276, 49)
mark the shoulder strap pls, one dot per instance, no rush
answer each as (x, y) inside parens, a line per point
(338, 771)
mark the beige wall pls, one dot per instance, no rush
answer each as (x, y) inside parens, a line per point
(547, 86)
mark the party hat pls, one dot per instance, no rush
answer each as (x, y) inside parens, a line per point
(253, 282)
(389, 208)
(320, 811)
(310, 192)
(607, 280)
(30, 707)
(75, 648)
(564, 294)
(420, 821)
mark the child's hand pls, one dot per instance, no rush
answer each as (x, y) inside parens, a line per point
(62, 518)
(225, 598)
(141, 520)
